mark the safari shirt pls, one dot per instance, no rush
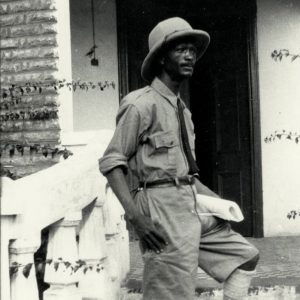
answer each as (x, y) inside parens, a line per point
(147, 137)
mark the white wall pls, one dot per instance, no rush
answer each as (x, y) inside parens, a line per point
(65, 98)
(279, 28)
(94, 109)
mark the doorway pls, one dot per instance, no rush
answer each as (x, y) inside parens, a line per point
(220, 92)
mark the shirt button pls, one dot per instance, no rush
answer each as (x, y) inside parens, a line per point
(192, 211)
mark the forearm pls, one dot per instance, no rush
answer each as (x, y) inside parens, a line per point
(118, 184)
(203, 189)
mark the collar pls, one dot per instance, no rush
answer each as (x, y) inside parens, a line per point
(164, 91)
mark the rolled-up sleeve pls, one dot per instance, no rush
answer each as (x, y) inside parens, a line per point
(124, 142)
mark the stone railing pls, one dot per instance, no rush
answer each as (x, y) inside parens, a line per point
(87, 251)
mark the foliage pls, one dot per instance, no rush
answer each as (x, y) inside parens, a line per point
(37, 114)
(74, 267)
(277, 55)
(33, 149)
(45, 150)
(12, 97)
(18, 91)
(293, 214)
(283, 135)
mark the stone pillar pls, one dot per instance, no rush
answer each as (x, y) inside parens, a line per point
(63, 253)
(23, 282)
(95, 282)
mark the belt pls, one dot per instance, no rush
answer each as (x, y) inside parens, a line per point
(165, 182)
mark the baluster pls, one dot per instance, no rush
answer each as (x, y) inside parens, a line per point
(5, 280)
(117, 234)
(23, 282)
(62, 250)
(124, 249)
(6, 227)
(95, 283)
(113, 263)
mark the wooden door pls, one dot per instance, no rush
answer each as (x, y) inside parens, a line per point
(220, 103)
(219, 90)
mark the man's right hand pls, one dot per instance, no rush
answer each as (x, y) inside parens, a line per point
(143, 225)
(148, 234)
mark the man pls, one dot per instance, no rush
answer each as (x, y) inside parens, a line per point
(150, 166)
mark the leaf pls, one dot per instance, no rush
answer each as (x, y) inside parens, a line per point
(45, 152)
(85, 270)
(67, 264)
(297, 140)
(55, 151)
(26, 270)
(12, 151)
(56, 265)
(76, 268)
(81, 262)
(13, 270)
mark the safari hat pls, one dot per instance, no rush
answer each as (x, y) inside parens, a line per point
(167, 31)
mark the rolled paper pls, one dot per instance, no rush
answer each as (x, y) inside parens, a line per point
(221, 208)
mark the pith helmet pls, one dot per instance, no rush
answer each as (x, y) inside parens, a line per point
(167, 31)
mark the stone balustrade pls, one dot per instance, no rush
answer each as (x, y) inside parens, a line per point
(87, 250)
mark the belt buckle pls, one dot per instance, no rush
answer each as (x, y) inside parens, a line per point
(192, 180)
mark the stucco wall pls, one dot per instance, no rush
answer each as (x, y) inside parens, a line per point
(94, 109)
(278, 27)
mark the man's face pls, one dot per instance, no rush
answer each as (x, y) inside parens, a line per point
(180, 60)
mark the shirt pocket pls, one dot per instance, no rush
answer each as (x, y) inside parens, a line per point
(161, 150)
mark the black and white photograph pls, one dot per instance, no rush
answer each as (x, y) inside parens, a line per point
(150, 149)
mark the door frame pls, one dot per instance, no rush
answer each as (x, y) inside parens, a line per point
(254, 103)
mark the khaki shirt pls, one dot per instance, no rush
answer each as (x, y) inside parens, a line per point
(147, 138)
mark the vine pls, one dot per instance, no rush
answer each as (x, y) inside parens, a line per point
(293, 214)
(17, 91)
(277, 55)
(38, 114)
(283, 135)
(76, 266)
(13, 95)
(34, 149)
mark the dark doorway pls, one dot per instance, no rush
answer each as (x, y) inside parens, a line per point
(219, 92)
